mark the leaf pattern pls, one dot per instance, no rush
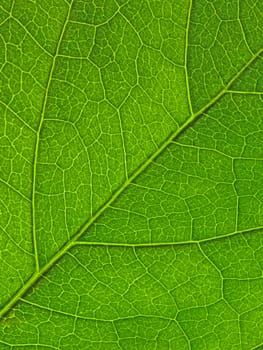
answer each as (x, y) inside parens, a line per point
(131, 209)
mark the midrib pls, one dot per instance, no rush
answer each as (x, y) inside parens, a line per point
(72, 242)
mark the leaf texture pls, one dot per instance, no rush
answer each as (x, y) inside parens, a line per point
(131, 208)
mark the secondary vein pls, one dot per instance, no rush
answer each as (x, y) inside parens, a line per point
(43, 111)
(186, 56)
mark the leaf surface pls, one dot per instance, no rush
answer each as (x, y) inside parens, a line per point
(131, 209)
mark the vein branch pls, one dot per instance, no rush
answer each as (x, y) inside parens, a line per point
(186, 56)
(43, 111)
(166, 244)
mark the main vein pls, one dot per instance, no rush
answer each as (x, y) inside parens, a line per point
(40, 272)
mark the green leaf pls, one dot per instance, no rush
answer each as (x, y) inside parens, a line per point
(131, 207)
